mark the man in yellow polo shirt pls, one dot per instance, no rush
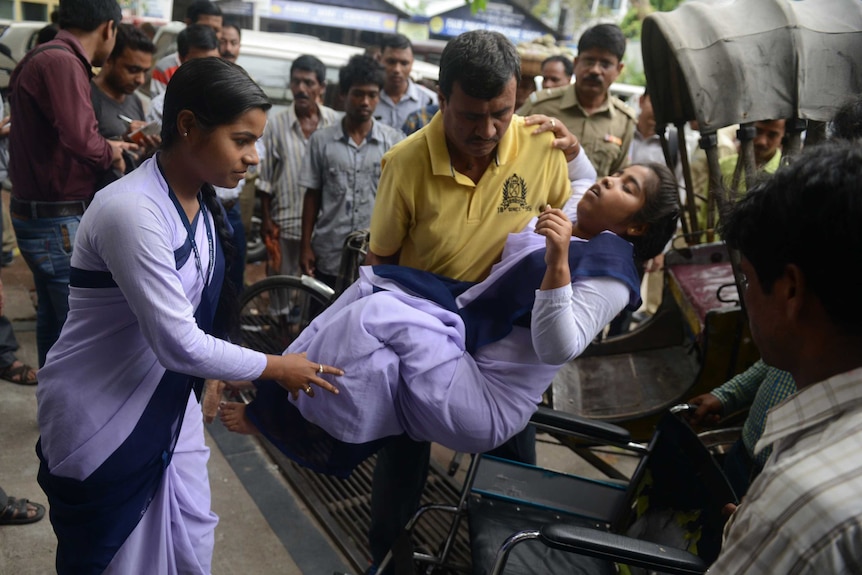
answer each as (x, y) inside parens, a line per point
(448, 196)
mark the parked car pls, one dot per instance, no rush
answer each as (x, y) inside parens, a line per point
(267, 57)
(18, 37)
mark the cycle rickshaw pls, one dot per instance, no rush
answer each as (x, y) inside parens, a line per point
(717, 63)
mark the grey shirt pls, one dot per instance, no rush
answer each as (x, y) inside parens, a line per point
(347, 175)
(108, 110)
(416, 98)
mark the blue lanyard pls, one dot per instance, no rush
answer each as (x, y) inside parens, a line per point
(191, 235)
(190, 232)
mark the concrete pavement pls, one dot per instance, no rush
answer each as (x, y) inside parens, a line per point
(263, 528)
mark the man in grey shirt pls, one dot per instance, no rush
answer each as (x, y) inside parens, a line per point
(341, 169)
(400, 96)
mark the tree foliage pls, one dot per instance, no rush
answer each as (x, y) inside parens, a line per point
(640, 9)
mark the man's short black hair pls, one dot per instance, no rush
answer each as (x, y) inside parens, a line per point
(568, 65)
(808, 214)
(608, 37)
(847, 123)
(46, 34)
(360, 70)
(309, 63)
(132, 38)
(200, 8)
(396, 42)
(87, 15)
(481, 61)
(196, 36)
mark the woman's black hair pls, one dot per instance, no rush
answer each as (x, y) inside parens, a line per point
(660, 212)
(217, 92)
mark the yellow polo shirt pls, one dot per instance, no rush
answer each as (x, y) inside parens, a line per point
(445, 223)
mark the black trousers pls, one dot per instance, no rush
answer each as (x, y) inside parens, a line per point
(399, 478)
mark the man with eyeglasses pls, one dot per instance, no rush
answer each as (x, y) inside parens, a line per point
(603, 124)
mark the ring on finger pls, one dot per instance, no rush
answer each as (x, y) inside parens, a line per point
(307, 388)
(553, 124)
(320, 368)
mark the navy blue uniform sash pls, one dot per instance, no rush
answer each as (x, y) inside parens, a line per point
(94, 517)
(487, 319)
(509, 300)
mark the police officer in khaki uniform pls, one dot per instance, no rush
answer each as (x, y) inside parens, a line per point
(603, 124)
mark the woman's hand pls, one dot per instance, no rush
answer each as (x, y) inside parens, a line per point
(563, 139)
(557, 229)
(295, 373)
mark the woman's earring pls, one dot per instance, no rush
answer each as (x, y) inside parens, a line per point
(185, 133)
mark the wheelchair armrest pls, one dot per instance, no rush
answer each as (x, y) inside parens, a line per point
(548, 418)
(621, 549)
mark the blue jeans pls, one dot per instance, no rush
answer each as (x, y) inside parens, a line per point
(46, 246)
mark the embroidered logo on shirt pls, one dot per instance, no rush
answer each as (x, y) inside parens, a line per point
(514, 195)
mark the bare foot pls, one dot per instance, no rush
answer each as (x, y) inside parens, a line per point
(233, 417)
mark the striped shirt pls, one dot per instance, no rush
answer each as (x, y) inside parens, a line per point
(803, 514)
(278, 172)
(760, 387)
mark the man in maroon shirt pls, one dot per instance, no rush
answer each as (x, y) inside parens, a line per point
(56, 153)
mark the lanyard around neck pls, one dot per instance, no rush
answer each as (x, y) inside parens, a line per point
(189, 231)
(191, 234)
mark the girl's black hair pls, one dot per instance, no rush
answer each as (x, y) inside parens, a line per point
(217, 92)
(660, 212)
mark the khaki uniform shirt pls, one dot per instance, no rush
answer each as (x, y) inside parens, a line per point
(606, 135)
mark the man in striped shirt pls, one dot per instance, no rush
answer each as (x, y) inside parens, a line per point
(801, 245)
(285, 140)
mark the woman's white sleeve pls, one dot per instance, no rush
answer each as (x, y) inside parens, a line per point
(565, 320)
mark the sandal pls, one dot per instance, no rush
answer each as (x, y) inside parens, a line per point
(20, 373)
(17, 512)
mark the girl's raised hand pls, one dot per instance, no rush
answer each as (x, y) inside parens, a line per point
(557, 229)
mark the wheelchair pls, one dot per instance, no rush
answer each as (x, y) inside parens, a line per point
(276, 309)
(525, 519)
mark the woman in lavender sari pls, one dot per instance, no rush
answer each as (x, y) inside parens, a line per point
(465, 365)
(123, 459)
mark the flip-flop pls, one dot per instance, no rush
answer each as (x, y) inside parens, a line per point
(17, 513)
(19, 374)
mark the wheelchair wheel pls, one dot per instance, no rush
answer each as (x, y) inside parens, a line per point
(276, 309)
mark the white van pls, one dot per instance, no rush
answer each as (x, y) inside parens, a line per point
(267, 57)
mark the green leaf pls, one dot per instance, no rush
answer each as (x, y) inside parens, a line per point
(476, 5)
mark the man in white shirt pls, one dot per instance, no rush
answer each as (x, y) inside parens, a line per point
(400, 96)
(801, 242)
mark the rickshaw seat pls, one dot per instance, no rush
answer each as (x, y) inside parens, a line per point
(696, 287)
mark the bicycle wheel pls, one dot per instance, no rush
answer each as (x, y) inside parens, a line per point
(276, 309)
